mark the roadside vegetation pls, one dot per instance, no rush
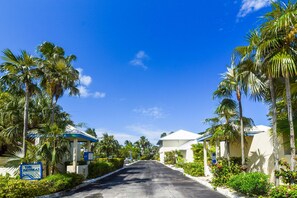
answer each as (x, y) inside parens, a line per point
(265, 70)
(30, 89)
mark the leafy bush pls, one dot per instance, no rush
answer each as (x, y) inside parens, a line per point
(250, 183)
(198, 152)
(285, 173)
(117, 162)
(222, 172)
(171, 157)
(60, 182)
(194, 169)
(102, 166)
(283, 192)
(17, 188)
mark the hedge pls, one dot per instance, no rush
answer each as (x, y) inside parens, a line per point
(194, 169)
(17, 188)
(284, 191)
(102, 166)
(250, 183)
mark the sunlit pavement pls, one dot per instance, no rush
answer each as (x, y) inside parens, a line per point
(146, 179)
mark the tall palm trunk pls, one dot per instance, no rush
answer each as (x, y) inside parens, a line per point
(274, 130)
(238, 93)
(227, 151)
(52, 118)
(291, 124)
(26, 112)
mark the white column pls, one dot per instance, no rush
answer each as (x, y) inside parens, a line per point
(218, 149)
(75, 143)
(205, 158)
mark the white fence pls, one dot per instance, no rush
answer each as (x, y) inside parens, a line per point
(11, 171)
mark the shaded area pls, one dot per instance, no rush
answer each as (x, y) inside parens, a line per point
(146, 179)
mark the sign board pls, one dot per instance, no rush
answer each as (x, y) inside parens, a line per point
(213, 158)
(31, 171)
(88, 156)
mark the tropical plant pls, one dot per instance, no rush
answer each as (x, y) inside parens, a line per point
(53, 147)
(108, 146)
(19, 76)
(279, 52)
(58, 73)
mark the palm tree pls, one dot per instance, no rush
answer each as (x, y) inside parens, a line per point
(52, 148)
(233, 82)
(222, 127)
(278, 53)
(108, 146)
(58, 73)
(20, 74)
(256, 52)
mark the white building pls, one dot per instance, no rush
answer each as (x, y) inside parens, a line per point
(180, 140)
(258, 149)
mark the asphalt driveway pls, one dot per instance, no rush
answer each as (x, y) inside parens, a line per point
(146, 179)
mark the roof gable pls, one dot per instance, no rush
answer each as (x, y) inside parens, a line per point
(181, 135)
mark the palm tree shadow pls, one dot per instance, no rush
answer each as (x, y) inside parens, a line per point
(257, 161)
(110, 182)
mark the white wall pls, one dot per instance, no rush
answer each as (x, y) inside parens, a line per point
(11, 171)
(173, 143)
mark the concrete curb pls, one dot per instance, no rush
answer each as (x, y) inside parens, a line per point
(85, 183)
(224, 191)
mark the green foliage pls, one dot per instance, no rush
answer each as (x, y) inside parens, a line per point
(171, 157)
(17, 188)
(108, 146)
(102, 166)
(198, 152)
(283, 192)
(285, 173)
(250, 183)
(60, 182)
(194, 169)
(222, 172)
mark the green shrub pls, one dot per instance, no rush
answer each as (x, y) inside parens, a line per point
(60, 182)
(97, 169)
(194, 169)
(11, 187)
(250, 183)
(283, 192)
(198, 152)
(222, 172)
(171, 157)
(102, 166)
(117, 162)
(285, 173)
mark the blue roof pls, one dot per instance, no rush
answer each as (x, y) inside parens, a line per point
(70, 133)
(205, 137)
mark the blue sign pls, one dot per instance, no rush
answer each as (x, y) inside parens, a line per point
(213, 158)
(31, 171)
(88, 156)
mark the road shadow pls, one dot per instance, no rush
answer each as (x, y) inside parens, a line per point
(111, 181)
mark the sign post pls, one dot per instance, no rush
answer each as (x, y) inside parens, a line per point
(88, 156)
(31, 171)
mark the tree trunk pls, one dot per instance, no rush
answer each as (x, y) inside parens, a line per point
(274, 130)
(241, 126)
(227, 151)
(25, 127)
(53, 158)
(52, 118)
(291, 124)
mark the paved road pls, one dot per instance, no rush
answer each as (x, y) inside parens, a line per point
(146, 179)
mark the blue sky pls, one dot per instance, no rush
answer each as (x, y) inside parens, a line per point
(147, 66)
